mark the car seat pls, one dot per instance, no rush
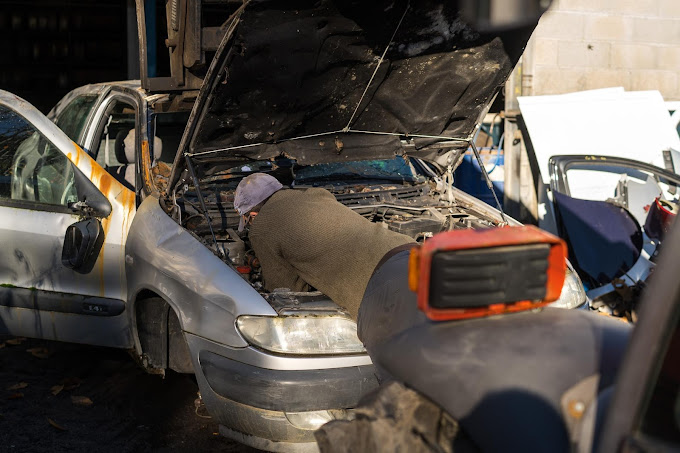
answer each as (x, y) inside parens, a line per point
(124, 147)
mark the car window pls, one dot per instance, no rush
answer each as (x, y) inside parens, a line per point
(635, 189)
(72, 119)
(31, 168)
(169, 128)
(119, 123)
(600, 183)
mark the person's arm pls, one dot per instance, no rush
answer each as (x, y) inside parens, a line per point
(277, 273)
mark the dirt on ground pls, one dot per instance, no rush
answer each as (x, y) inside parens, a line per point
(62, 397)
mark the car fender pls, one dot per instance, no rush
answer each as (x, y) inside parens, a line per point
(206, 294)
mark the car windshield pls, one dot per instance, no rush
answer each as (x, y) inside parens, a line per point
(397, 169)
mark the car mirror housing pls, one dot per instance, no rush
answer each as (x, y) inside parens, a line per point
(91, 202)
(476, 273)
(82, 244)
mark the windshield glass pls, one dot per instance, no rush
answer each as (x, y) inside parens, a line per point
(397, 169)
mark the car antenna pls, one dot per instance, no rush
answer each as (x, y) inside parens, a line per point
(201, 201)
(487, 179)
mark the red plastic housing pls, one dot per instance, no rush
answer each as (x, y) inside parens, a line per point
(421, 261)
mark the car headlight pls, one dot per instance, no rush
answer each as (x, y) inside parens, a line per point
(301, 335)
(573, 293)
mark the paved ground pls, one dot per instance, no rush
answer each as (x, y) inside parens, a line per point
(63, 397)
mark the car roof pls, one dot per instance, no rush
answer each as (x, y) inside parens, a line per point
(132, 85)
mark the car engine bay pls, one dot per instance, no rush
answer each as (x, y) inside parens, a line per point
(419, 211)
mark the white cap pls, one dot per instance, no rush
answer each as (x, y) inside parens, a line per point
(253, 190)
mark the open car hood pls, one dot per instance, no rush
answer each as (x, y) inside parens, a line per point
(299, 79)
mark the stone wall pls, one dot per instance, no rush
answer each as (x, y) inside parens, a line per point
(588, 44)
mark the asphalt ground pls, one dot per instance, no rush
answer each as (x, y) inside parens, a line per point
(62, 397)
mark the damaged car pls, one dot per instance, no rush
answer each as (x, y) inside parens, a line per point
(611, 196)
(374, 102)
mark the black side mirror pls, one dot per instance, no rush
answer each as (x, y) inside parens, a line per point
(91, 202)
(82, 244)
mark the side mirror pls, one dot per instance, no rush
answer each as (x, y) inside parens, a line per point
(91, 202)
(82, 244)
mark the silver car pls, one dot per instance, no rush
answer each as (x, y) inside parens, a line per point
(118, 227)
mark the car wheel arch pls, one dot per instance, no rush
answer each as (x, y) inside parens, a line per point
(159, 337)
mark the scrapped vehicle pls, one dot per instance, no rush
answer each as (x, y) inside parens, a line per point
(117, 122)
(105, 244)
(607, 183)
(538, 380)
(613, 244)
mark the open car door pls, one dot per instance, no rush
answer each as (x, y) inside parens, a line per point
(613, 213)
(63, 227)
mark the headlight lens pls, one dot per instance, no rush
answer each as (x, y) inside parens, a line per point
(301, 335)
(573, 293)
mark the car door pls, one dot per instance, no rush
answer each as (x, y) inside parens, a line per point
(601, 205)
(48, 184)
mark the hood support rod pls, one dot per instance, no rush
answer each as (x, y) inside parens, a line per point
(444, 139)
(488, 179)
(382, 57)
(201, 200)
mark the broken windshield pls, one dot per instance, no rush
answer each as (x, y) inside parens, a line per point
(397, 169)
(289, 172)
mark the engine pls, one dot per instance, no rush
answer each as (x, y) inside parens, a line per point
(413, 211)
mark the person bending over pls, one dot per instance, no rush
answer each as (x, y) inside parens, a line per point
(305, 238)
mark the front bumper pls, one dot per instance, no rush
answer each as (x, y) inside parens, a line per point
(287, 390)
(276, 403)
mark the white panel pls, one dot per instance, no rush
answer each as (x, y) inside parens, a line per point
(610, 122)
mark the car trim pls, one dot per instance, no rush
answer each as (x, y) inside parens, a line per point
(36, 205)
(53, 301)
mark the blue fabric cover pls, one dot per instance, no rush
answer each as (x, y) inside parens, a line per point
(604, 240)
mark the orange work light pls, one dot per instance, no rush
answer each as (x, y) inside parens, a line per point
(474, 273)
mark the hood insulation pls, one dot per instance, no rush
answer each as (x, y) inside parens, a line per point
(302, 69)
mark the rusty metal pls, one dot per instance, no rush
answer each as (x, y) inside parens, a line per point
(187, 43)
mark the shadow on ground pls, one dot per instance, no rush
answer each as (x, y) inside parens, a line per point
(73, 398)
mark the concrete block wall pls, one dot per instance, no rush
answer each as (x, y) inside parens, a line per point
(588, 44)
